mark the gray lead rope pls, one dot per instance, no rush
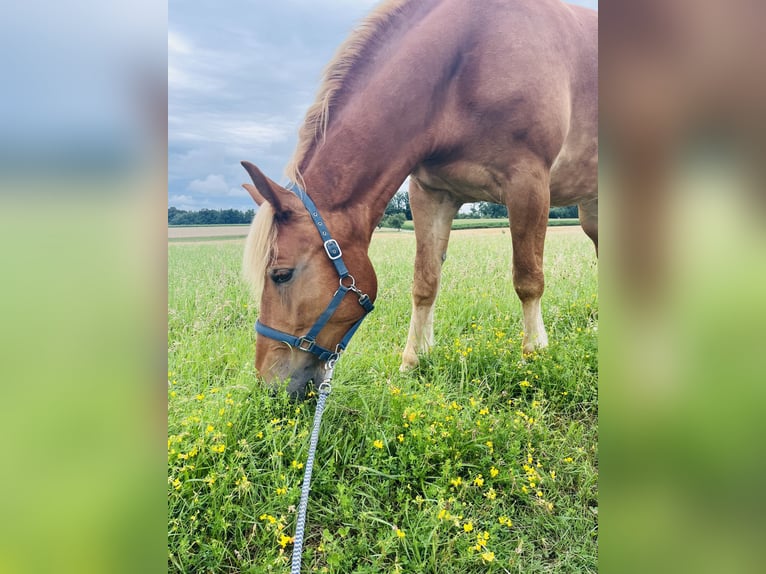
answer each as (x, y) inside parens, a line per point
(300, 526)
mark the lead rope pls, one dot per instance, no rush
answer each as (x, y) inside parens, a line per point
(324, 391)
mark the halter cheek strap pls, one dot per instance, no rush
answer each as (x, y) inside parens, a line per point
(307, 342)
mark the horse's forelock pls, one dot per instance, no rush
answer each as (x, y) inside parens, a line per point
(259, 248)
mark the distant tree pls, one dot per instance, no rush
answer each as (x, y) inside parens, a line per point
(569, 212)
(400, 203)
(489, 210)
(209, 216)
(173, 212)
(395, 221)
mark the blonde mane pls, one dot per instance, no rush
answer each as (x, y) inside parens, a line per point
(335, 76)
(259, 247)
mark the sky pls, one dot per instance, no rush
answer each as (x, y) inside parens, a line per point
(241, 75)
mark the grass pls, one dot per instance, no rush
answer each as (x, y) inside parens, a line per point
(207, 238)
(480, 461)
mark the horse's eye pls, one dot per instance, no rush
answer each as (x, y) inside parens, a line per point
(280, 276)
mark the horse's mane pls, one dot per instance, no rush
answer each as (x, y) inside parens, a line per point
(335, 76)
(259, 248)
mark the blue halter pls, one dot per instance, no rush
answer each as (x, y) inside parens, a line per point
(307, 342)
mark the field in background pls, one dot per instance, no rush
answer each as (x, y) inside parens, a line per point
(480, 461)
(226, 232)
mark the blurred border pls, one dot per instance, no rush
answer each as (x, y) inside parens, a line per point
(683, 270)
(83, 139)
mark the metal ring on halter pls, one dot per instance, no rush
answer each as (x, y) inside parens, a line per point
(351, 287)
(305, 344)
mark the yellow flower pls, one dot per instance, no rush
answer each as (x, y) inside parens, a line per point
(468, 526)
(281, 490)
(285, 540)
(493, 472)
(267, 518)
(172, 394)
(505, 521)
(400, 533)
(396, 391)
(400, 438)
(479, 481)
(210, 479)
(176, 484)
(209, 429)
(484, 411)
(456, 482)
(200, 396)
(569, 459)
(524, 383)
(443, 514)
(488, 556)
(297, 465)
(218, 448)
(259, 435)
(378, 444)
(491, 494)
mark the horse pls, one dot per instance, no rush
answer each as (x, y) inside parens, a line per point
(493, 101)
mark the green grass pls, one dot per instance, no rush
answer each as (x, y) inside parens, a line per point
(492, 223)
(479, 451)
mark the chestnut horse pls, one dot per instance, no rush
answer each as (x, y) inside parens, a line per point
(474, 101)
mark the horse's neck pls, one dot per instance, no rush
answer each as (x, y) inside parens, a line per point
(376, 136)
(359, 167)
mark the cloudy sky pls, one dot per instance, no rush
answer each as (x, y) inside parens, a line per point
(241, 74)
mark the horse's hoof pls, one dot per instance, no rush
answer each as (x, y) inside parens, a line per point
(408, 365)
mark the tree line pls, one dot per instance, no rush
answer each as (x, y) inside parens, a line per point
(209, 216)
(397, 212)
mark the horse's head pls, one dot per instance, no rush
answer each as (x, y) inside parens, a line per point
(288, 264)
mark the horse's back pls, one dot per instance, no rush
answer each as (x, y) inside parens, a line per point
(523, 79)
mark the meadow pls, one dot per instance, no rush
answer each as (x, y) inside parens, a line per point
(482, 460)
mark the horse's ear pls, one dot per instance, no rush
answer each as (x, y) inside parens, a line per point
(257, 197)
(267, 190)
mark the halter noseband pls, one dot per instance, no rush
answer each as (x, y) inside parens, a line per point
(307, 342)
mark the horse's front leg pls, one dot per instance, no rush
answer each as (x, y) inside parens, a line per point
(528, 202)
(432, 214)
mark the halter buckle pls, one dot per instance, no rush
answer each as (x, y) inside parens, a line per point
(306, 344)
(332, 249)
